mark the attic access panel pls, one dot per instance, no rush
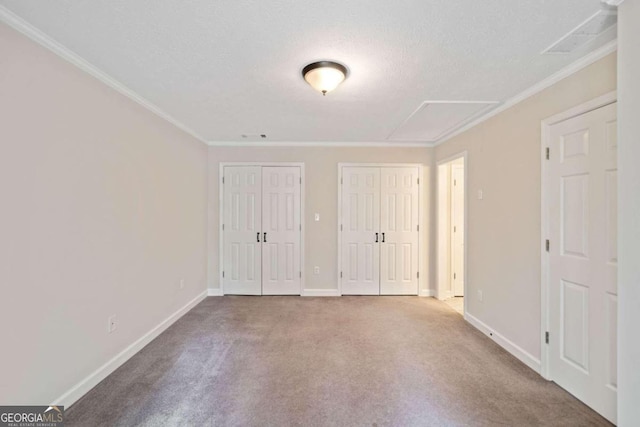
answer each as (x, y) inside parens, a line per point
(434, 120)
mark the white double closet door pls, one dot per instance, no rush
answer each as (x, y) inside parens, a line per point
(582, 188)
(379, 230)
(261, 230)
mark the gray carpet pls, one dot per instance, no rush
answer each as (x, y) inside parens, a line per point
(349, 361)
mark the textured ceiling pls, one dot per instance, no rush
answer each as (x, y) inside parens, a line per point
(225, 68)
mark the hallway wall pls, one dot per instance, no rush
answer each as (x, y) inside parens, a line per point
(629, 214)
(504, 241)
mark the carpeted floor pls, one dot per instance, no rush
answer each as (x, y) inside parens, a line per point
(348, 361)
(457, 303)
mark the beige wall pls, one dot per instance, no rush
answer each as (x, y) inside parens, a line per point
(321, 187)
(504, 228)
(629, 214)
(103, 212)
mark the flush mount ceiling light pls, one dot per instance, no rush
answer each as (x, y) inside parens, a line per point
(324, 76)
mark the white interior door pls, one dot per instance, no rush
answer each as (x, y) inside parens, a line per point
(399, 231)
(281, 230)
(360, 231)
(457, 229)
(444, 287)
(242, 215)
(583, 259)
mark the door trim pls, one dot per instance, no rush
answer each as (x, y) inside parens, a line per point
(221, 167)
(423, 280)
(545, 132)
(440, 257)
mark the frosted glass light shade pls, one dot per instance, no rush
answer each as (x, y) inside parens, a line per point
(324, 76)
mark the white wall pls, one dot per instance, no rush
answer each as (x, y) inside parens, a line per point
(629, 213)
(321, 186)
(504, 228)
(103, 212)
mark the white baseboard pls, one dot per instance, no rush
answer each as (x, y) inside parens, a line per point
(214, 292)
(81, 388)
(320, 293)
(505, 343)
(427, 293)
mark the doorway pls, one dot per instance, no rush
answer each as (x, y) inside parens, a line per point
(452, 208)
(579, 253)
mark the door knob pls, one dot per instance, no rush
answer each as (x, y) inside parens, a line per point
(258, 237)
(376, 237)
(264, 237)
(382, 237)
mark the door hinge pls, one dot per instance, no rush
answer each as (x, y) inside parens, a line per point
(300, 180)
(222, 227)
(341, 274)
(418, 227)
(547, 245)
(341, 180)
(223, 274)
(454, 276)
(546, 337)
(454, 228)
(223, 179)
(340, 227)
(418, 181)
(418, 275)
(548, 150)
(300, 227)
(455, 182)
(301, 274)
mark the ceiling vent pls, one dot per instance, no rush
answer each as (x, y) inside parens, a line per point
(584, 33)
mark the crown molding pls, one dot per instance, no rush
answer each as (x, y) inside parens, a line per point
(615, 3)
(22, 26)
(398, 144)
(570, 69)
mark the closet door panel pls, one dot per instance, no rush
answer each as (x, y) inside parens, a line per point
(242, 211)
(281, 230)
(399, 196)
(360, 229)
